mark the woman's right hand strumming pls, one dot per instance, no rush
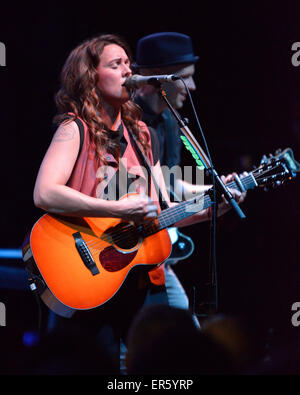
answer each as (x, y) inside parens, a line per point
(136, 207)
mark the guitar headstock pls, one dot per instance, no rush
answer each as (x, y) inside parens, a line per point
(274, 170)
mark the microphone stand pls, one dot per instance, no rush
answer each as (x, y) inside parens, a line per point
(220, 185)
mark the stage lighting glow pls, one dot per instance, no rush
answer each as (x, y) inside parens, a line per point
(11, 253)
(30, 338)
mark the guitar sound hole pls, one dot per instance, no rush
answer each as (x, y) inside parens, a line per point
(124, 235)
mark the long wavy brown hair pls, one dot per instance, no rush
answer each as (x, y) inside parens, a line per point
(79, 95)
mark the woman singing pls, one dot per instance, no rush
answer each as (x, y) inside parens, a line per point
(82, 173)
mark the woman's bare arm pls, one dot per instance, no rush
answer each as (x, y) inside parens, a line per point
(53, 195)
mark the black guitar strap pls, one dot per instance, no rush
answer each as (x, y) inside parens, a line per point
(81, 132)
(144, 161)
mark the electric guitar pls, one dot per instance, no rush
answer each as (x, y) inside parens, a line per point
(81, 263)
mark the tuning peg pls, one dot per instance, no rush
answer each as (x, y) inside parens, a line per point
(271, 157)
(264, 159)
(278, 151)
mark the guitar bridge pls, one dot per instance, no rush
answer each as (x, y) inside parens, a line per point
(85, 253)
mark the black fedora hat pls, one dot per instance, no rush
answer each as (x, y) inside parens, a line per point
(164, 49)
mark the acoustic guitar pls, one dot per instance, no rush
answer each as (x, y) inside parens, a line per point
(81, 263)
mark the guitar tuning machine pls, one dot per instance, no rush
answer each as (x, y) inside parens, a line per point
(264, 160)
(272, 158)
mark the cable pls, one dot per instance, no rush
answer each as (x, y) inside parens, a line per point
(34, 290)
(214, 202)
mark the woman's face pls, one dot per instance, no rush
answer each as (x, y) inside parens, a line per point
(113, 69)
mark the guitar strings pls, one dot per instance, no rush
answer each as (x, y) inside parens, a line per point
(163, 223)
(129, 234)
(247, 180)
(164, 218)
(126, 233)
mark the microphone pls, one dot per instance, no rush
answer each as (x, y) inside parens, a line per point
(135, 81)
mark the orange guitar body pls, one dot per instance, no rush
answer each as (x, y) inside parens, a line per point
(62, 268)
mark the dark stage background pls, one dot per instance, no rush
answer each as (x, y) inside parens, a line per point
(247, 101)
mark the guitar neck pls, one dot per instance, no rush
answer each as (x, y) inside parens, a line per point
(201, 202)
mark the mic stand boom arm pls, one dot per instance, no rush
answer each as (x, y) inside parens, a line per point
(202, 156)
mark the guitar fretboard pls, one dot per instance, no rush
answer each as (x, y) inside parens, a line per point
(192, 206)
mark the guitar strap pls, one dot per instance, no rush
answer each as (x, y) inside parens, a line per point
(144, 161)
(81, 133)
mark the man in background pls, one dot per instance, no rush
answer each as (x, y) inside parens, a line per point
(156, 54)
(170, 53)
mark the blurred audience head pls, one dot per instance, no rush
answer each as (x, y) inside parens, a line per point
(165, 340)
(230, 333)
